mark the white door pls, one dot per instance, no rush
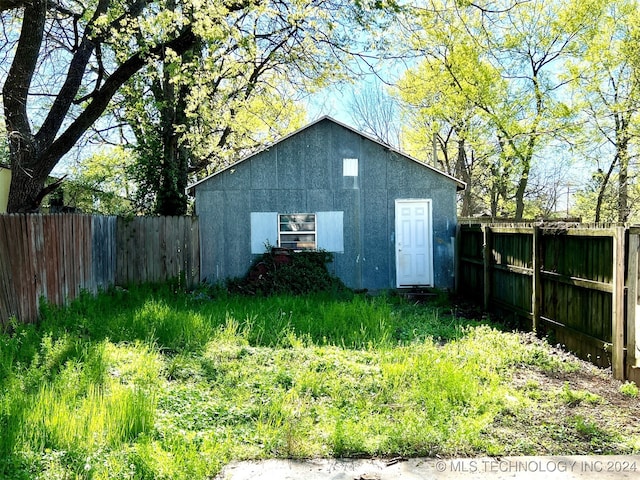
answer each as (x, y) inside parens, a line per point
(414, 249)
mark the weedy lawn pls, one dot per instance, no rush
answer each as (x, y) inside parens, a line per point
(157, 383)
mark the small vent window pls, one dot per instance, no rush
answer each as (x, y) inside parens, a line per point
(350, 167)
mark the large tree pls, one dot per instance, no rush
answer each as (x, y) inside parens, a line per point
(232, 91)
(68, 59)
(499, 59)
(443, 123)
(78, 37)
(607, 89)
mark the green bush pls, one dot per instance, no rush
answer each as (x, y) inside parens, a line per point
(279, 271)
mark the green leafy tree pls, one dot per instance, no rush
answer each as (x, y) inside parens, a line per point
(67, 60)
(441, 117)
(59, 82)
(177, 142)
(597, 199)
(607, 90)
(196, 112)
(498, 64)
(102, 183)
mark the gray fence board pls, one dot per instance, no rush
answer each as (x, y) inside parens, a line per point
(55, 257)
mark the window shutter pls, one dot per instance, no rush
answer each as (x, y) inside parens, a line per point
(264, 230)
(329, 226)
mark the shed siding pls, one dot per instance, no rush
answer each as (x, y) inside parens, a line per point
(304, 174)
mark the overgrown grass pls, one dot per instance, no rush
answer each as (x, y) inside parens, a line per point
(157, 383)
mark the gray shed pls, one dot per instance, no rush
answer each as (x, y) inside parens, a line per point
(389, 219)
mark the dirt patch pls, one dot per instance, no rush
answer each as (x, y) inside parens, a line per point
(577, 410)
(586, 377)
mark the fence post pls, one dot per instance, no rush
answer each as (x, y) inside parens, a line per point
(617, 305)
(536, 290)
(456, 260)
(633, 309)
(486, 259)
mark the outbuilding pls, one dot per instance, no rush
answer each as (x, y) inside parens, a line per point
(388, 219)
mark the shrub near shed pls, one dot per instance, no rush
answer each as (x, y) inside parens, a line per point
(281, 270)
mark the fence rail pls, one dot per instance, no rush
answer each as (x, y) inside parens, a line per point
(566, 282)
(55, 257)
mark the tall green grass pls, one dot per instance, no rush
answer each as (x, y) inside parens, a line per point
(157, 383)
(179, 321)
(60, 419)
(73, 396)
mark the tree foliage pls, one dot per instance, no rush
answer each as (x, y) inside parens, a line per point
(608, 95)
(487, 87)
(65, 67)
(443, 121)
(102, 184)
(68, 60)
(499, 94)
(233, 91)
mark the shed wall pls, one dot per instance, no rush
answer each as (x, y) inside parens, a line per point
(304, 174)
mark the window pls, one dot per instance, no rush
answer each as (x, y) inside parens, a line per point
(307, 231)
(297, 231)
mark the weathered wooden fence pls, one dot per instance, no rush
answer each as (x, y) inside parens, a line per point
(568, 283)
(154, 249)
(55, 257)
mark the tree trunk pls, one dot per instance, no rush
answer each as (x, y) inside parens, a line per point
(172, 198)
(33, 156)
(623, 177)
(623, 195)
(603, 189)
(27, 187)
(462, 172)
(522, 187)
(599, 200)
(495, 190)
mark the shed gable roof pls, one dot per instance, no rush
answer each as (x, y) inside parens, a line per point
(460, 185)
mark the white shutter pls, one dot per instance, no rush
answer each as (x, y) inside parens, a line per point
(330, 236)
(264, 230)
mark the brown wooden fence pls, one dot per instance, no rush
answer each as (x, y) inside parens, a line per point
(55, 257)
(568, 283)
